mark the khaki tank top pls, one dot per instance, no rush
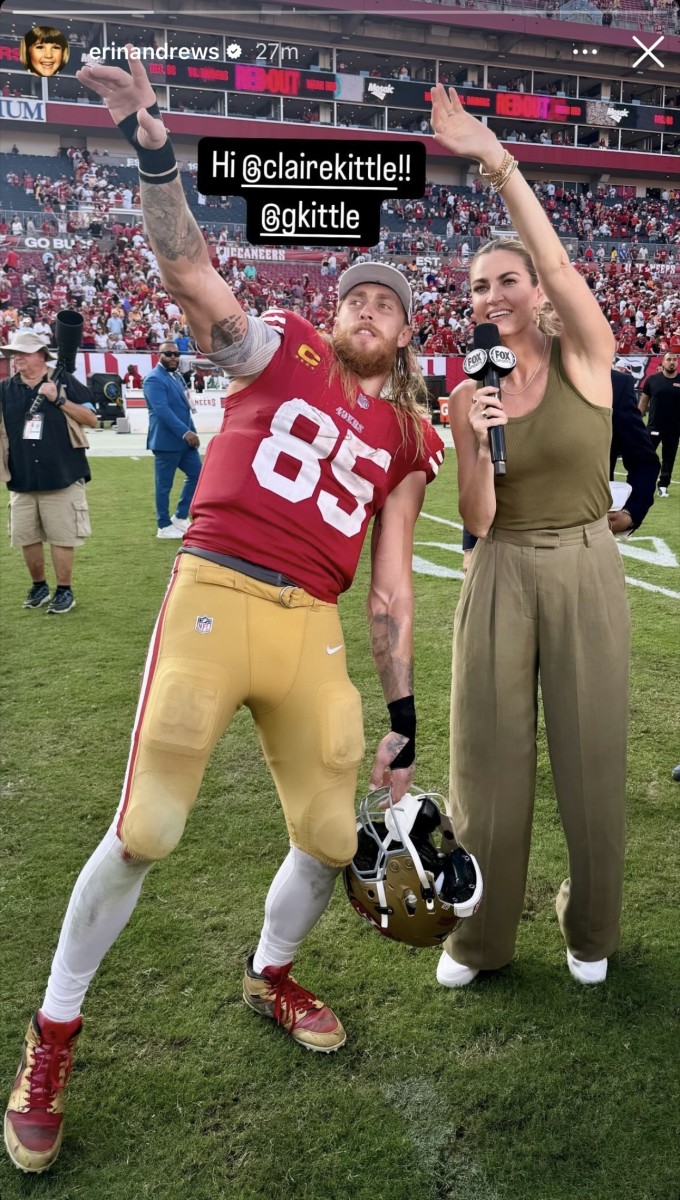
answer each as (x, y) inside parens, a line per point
(558, 460)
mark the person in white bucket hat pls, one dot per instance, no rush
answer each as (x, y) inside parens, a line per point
(44, 465)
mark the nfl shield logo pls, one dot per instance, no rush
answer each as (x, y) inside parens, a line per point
(204, 624)
(362, 401)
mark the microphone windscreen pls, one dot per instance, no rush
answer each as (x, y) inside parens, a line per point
(486, 336)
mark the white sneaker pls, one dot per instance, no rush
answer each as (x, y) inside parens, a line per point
(587, 972)
(452, 974)
(182, 523)
(663, 492)
(169, 531)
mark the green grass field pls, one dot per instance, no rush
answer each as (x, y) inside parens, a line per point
(524, 1086)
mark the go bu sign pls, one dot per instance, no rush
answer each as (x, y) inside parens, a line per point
(22, 110)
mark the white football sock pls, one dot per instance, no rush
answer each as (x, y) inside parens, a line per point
(299, 894)
(102, 902)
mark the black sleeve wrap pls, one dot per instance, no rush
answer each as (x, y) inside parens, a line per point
(155, 166)
(403, 717)
(128, 126)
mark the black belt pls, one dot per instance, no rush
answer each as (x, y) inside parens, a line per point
(254, 570)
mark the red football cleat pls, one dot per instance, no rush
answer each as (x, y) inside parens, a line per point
(35, 1113)
(276, 994)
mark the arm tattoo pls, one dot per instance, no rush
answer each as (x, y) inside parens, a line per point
(172, 230)
(395, 745)
(396, 676)
(226, 333)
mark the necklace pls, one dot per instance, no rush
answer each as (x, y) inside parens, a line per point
(526, 385)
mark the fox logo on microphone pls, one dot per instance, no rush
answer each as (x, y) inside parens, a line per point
(503, 359)
(474, 362)
(487, 363)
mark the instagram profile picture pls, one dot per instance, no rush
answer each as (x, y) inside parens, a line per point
(44, 50)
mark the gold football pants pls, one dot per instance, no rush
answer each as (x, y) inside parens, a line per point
(223, 640)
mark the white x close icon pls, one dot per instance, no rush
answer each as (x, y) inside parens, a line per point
(648, 50)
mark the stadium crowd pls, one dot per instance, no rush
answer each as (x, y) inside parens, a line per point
(609, 213)
(605, 214)
(119, 293)
(626, 246)
(90, 191)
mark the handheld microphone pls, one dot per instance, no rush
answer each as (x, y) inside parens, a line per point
(489, 362)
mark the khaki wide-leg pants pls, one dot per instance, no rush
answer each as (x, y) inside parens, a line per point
(551, 605)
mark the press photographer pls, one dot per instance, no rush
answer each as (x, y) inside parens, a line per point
(43, 412)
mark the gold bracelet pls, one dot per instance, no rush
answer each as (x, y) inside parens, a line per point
(501, 185)
(495, 177)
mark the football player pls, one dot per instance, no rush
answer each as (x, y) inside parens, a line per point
(320, 433)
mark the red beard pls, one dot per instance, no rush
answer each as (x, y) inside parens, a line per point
(378, 358)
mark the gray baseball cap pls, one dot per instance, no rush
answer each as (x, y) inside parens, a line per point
(375, 272)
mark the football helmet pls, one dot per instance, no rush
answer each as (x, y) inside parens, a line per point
(401, 881)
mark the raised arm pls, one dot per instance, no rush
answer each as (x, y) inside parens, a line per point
(390, 616)
(586, 331)
(216, 318)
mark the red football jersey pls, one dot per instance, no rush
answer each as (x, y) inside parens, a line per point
(296, 473)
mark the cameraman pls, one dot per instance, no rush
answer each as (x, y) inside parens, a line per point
(45, 466)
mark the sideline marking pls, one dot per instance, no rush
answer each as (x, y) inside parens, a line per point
(442, 521)
(660, 556)
(432, 1139)
(652, 587)
(422, 566)
(624, 475)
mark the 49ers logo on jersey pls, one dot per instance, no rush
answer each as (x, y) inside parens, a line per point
(309, 357)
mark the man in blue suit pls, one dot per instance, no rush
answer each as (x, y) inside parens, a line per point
(173, 440)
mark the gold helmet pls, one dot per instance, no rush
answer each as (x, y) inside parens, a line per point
(401, 881)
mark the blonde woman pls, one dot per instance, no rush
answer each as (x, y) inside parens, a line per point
(544, 599)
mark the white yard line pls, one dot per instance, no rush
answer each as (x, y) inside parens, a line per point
(423, 566)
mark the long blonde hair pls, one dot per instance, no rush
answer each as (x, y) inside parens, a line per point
(546, 317)
(404, 387)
